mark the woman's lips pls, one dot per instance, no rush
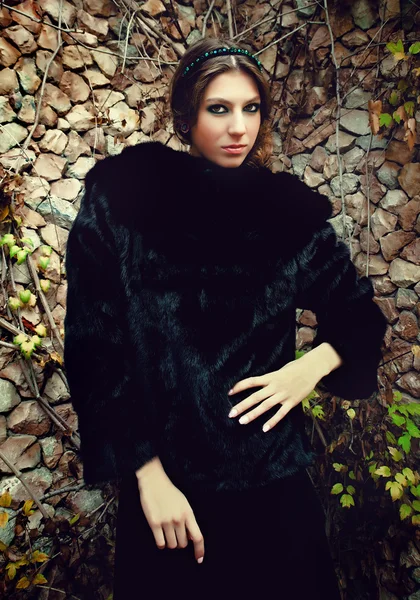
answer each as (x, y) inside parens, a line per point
(234, 150)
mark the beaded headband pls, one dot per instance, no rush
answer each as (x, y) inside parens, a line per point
(218, 52)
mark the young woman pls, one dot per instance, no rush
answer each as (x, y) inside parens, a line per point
(184, 271)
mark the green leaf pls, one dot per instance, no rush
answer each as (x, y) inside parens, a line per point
(337, 488)
(390, 437)
(414, 48)
(405, 442)
(401, 479)
(318, 412)
(385, 119)
(405, 511)
(351, 490)
(415, 519)
(395, 489)
(397, 395)
(396, 454)
(352, 475)
(416, 504)
(339, 467)
(346, 501)
(384, 471)
(402, 85)
(409, 108)
(413, 408)
(398, 420)
(408, 473)
(415, 490)
(412, 429)
(393, 98)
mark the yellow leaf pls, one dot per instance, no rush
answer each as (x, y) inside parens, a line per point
(4, 517)
(416, 348)
(39, 578)
(416, 71)
(400, 56)
(11, 570)
(38, 556)
(4, 213)
(5, 499)
(27, 507)
(3, 546)
(22, 583)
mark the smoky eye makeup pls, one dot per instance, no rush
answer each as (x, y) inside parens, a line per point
(213, 106)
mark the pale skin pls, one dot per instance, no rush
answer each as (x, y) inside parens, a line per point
(234, 118)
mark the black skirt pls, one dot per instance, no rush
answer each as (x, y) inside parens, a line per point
(269, 540)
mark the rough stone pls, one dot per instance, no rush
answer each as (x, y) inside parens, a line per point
(147, 72)
(364, 141)
(8, 53)
(363, 15)
(34, 188)
(392, 243)
(377, 265)
(100, 8)
(55, 71)
(312, 178)
(47, 116)
(49, 166)
(81, 167)
(5, 18)
(350, 183)
(95, 25)
(50, 233)
(411, 252)
(356, 208)
(383, 285)
(356, 122)
(355, 38)
(410, 382)
(406, 298)
(345, 140)
(9, 398)
(318, 158)
(26, 70)
(352, 158)
(7, 114)
(393, 201)
(96, 78)
(52, 8)
(410, 179)
(407, 215)
(48, 37)
(82, 117)
(22, 38)
(399, 152)
(388, 174)
(67, 189)
(365, 237)
(331, 167)
(23, 451)
(407, 326)
(57, 99)
(54, 141)
(52, 451)
(76, 57)
(388, 308)
(30, 418)
(27, 111)
(299, 163)
(382, 222)
(106, 98)
(11, 135)
(403, 273)
(55, 210)
(357, 98)
(55, 390)
(77, 146)
(8, 81)
(74, 87)
(106, 62)
(124, 120)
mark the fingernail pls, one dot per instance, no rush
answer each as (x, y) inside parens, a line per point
(230, 391)
(232, 413)
(200, 560)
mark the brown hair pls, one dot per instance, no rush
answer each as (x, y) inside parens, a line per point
(186, 93)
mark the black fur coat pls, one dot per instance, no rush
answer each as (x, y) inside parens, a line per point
(184, 278)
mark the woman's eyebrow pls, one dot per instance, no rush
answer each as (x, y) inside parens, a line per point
(228, 102)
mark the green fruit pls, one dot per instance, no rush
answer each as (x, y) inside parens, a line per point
(20, 338)
(25, 296)
(21, 256)
(14, 250)
(45, 285)
(41, 330)
(14, 303)
(44, 261)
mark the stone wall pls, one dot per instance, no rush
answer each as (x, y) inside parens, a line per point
(69, 98)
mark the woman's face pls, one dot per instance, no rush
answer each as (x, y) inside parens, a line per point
(229, 113)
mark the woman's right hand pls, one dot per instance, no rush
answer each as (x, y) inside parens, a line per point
(170, 515)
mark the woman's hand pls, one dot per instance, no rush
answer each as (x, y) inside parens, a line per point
(287, 387)
(169, 514)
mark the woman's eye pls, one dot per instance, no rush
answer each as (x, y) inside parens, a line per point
(214, 106)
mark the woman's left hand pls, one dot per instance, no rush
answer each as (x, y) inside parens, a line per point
(287, 387)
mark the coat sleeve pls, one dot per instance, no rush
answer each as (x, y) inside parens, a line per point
(348, 318)
(106, 389)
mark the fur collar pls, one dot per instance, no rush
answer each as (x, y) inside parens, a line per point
(151, 187)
